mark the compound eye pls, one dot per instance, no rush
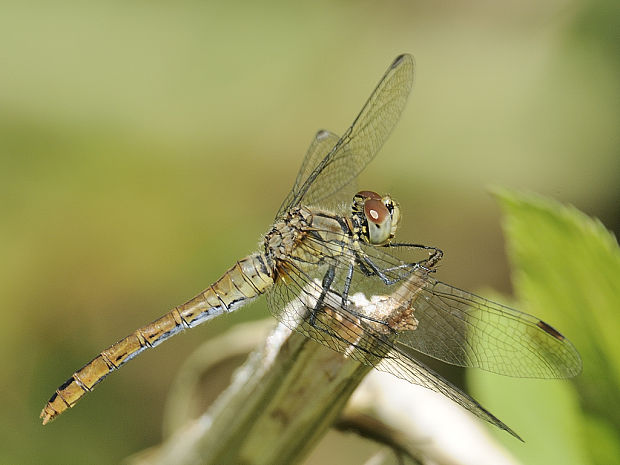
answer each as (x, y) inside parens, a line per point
(368, 195)
(394, 210)
(375, 211)
(379, 221)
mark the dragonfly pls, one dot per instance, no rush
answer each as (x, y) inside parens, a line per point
(330, 268)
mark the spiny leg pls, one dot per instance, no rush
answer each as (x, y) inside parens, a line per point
(328, 280)
(431, 261)
(370, 268)
(347, 286)
(326, 284)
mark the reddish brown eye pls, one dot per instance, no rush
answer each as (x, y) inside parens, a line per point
(368, 195)
(375, 217)
(375, 211)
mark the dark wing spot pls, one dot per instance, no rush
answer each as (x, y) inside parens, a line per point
(397, 61)
(550, 330)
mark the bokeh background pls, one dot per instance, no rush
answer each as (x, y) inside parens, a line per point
(145, 146)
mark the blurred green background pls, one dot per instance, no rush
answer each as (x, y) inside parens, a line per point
(145, 146)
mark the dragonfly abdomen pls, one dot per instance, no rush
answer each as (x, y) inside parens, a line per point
(247, 279)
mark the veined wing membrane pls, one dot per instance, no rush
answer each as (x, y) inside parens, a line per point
(454, 326)
(416, 372)
(322, 143)
(467, 330)
(359, 144)
(343, 330)
(464, 329)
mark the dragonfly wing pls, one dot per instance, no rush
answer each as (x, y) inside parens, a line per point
(321, 177)
(412, 370)
(463, 329)
(293, 300)
(322, 143)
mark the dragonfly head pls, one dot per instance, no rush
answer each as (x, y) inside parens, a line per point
(376, 218)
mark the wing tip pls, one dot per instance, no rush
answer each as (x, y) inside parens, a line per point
(550, 330)
(509, 430)
(321, 134)
(400, 58)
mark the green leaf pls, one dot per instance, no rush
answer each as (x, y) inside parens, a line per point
(566, 270)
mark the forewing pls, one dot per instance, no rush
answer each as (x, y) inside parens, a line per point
(464, 329)
(293, 300)
(322, 143)
(321, 177)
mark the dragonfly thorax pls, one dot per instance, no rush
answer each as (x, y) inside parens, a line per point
(286, 233)
(375, 218)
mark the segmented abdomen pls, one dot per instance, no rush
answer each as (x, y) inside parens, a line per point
(247, 279)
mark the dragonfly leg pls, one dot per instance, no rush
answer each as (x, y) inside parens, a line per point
(346, 311)
(347, 286)
(328, 279)
(435, 256)
(381, 273)
(363, 268)
(370, 268)
(345, 300)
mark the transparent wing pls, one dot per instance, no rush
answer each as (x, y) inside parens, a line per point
(324, 141)
(293, 300)
(322, 144)
(467, 330)
(453, 325)
(461, 328)
(329, 164)
(409, 369)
